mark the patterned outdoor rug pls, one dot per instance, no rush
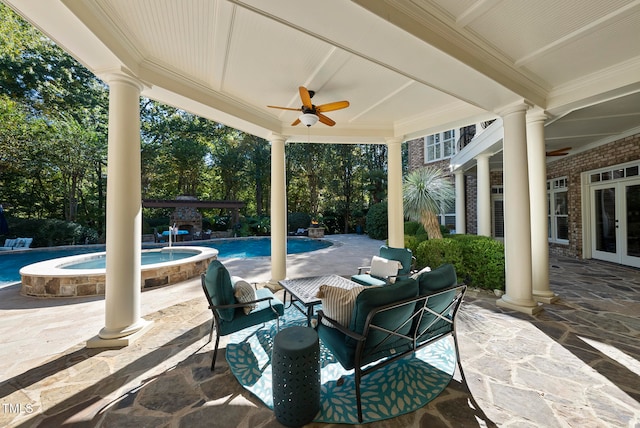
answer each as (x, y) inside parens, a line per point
(401, 387)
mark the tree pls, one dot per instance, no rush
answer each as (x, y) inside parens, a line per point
(427, 191)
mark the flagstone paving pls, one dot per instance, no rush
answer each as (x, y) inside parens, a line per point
(575, 364)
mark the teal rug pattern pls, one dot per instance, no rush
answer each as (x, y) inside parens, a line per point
(401, 387)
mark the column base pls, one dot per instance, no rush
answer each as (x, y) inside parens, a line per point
(510, 304)
(545, 297)
(273, 285)
(122, 341)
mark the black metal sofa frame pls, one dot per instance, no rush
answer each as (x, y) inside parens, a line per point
(394, 330)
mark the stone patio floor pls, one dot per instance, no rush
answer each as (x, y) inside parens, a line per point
(575, 364)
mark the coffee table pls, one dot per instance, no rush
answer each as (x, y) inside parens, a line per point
(304, 290)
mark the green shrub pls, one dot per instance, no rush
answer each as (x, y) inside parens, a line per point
(484, 263)
(411, 227)
(377, 226)
(411, 242)
(435, 252)
(52, 232)
(298, 221)
(421, 234)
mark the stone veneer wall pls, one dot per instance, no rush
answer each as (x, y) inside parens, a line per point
(91, 285)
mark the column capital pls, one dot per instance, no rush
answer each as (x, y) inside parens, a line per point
(122, 75)
(272, 137)
(537, 115)
(483, 156)
(517, 107)
(394, 140)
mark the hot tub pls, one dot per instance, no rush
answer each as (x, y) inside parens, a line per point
(78, 275)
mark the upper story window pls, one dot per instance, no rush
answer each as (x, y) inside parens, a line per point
(557, 210)
(440, 146)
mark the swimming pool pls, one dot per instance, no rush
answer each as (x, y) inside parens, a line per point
(11, 262)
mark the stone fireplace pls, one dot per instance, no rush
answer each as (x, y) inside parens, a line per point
(187, 217)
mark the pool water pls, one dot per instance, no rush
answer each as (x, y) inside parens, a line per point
(12, 262)
(99, 262)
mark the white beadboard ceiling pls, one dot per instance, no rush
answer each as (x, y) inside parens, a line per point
(408, 67)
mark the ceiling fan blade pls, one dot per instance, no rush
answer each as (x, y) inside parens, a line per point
(285, 108)
(332, 106)
(305, 97)
(558, 152)
(324, 119)
(295, 122)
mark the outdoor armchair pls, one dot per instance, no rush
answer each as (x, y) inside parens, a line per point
(368, 275)
(235, 305)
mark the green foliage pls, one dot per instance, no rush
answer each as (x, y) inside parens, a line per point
(483, 262)
(49, 233)
(426, 192)
(411, 227)
(435, 252)
(479, 260)
(250, 226)
(377, 225)
(298, 221)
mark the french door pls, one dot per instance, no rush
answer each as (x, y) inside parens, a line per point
(615, 210)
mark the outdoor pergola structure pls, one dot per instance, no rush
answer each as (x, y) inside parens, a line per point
(234, 206)
(408, 68)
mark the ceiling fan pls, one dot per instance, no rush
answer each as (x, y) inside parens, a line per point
(312, 113)
(559, 152)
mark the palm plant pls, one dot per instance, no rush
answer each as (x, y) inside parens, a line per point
(426, 191)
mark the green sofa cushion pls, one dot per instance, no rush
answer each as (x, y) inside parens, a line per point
(442, 277)
(430, 282)
(374, 297)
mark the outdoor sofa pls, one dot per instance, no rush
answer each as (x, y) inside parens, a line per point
(392, 321)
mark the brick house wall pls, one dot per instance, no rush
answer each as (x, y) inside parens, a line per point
(614, 153)
(618, 152)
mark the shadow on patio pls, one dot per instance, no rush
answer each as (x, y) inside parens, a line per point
(575, 364)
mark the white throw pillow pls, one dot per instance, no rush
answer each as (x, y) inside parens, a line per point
(423, 270)
(337, 303)
(383, 268)
(243, 292)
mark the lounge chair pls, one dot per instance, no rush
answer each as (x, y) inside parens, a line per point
(17, 243)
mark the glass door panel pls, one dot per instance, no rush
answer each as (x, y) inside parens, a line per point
(632, 221)
(605, 220)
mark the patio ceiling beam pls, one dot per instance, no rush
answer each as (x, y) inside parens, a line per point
(168, 203)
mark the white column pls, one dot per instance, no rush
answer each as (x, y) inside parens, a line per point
(539, 209)
(517, 214)
(461, 208)
(124, 217)
(484, 195)
(394, 192)
(278, 210)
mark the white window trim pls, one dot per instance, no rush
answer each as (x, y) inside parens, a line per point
(456, 136)
(551, 191)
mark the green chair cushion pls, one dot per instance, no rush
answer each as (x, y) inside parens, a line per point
(366, 279)
(218, 283)
(262, 313)
(403, 255)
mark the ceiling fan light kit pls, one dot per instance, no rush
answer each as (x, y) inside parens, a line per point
(311, 113)
(308, 119)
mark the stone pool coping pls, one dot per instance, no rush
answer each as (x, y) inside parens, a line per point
(49, 279)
